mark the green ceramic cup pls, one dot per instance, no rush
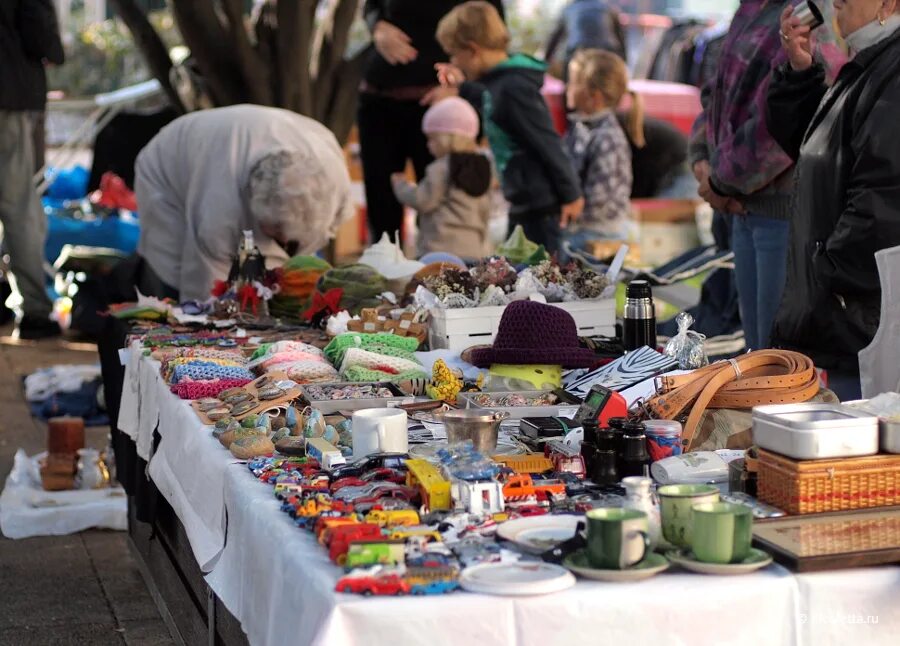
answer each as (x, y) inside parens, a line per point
(722, 532)
(616, 538)
(675, 503)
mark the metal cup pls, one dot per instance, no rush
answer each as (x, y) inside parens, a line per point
(480, 426)
(809, 15)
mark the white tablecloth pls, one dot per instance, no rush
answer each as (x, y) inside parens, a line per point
(279, 583)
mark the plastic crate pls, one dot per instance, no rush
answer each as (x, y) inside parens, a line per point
(458, 329)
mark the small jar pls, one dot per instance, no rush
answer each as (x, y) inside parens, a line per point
(663, 438)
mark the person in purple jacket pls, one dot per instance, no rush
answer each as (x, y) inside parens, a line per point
(742, 170)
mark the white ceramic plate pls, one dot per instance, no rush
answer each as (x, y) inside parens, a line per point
(755, 561)
(537, 534)
(516, 579)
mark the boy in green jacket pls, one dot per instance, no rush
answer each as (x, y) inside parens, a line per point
(538, 180)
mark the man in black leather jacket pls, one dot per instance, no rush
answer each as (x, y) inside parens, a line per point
(847, 190)
(29, 38)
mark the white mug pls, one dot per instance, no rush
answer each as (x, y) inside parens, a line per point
(379, 430)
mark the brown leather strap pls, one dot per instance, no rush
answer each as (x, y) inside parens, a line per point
(754, 379)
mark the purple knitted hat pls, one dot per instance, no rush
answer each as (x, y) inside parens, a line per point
(535, 333)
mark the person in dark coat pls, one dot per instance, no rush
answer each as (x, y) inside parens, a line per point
(29, 39)
(847, 186)
(397, 89)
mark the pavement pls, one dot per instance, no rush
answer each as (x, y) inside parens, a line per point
(64, 590)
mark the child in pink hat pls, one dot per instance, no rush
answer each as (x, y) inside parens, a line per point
(453, 199)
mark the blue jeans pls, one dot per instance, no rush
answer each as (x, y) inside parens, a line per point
(760, 247)
(542, 229)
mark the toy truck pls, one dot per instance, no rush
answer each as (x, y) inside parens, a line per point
(341, 538)
(434, 489)
(531, 463)
(382, 551)
(522, 488)
(325, 453)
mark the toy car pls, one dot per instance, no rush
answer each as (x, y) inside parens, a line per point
(434, 587)
(385, 474)
(380, 494)
(374, 491)
(382, 504)
(529, 510)
(429, 560)
(376, 551)
(381, 585)
(374, 461)
(341, 537)
(349, 481)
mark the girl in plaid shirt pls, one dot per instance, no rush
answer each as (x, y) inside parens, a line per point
(597, 144)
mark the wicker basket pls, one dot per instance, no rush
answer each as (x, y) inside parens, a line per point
(815, 486)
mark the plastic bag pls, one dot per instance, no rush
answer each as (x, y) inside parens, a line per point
(686, 347)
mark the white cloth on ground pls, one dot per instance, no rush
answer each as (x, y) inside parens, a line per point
(47, 382)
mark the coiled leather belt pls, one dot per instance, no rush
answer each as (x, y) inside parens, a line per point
(754, 379)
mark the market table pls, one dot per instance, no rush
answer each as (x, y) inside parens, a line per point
(279, 584)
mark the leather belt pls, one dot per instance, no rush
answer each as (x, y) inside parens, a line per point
(754, 379)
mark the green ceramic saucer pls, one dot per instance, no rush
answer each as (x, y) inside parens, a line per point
(651, 565)
(756, 560)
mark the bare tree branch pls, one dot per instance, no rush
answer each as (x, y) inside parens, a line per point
(150, 45)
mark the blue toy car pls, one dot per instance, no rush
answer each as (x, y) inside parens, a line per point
(434, 587)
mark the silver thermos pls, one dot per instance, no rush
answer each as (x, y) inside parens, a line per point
(639, 325)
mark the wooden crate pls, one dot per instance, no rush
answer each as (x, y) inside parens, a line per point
(458, 329)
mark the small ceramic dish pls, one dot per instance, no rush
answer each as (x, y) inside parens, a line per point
(756, 560)
(207, 404)
(244, 407)
(218, 413)
(270, 392)
(225, 394)
(652, 565)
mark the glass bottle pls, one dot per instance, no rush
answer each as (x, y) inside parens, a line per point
(639, 497)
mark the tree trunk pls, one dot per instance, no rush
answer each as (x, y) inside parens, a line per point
(150, 45)
(205, 36)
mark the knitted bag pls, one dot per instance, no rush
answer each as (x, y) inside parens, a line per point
(304, 372)
(289, 357)
(267, 349)
(201, 389)
(334, 350)
(203, 371)
(374, 361)
(359, 373)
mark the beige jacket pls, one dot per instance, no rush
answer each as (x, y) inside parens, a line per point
(451, 219)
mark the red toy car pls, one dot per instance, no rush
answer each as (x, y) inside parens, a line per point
(401, 493)
(385, 474)
(349, 481)
(529, 510)
(386, 584)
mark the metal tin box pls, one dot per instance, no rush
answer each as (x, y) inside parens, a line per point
(815, 431)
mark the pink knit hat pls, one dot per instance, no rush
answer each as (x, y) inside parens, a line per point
(451, 116)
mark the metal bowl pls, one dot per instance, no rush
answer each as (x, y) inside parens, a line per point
(480, 426)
